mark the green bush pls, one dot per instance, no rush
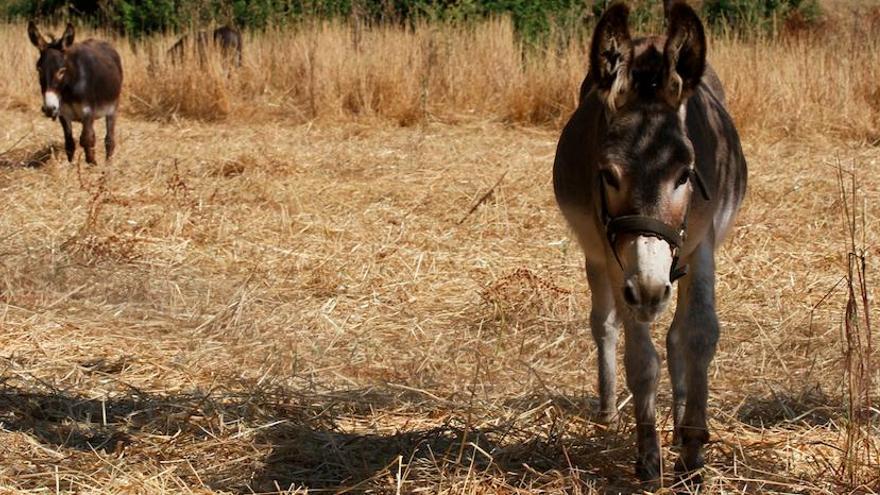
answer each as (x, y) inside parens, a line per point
(758, 15)
(533, 19)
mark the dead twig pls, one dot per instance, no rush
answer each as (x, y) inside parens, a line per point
(482, 199)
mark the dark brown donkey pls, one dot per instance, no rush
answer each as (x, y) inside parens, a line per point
(80, 83)
(649, 174)
(227, 39)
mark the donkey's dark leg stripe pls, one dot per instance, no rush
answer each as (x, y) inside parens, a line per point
(69, 142)
(109, 138)
(87, 139)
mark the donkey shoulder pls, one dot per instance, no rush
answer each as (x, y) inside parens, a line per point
(99, 51)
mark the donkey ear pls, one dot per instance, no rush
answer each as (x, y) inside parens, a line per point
(611, 53)
(36, 38)
(67, 37)
(685, 52)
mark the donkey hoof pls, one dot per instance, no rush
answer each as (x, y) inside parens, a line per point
(648, 471)
(676, 437)
(608, 419)
(688, 472)
(691, 480)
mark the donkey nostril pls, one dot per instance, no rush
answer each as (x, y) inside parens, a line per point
(629, 295)
(668, 291)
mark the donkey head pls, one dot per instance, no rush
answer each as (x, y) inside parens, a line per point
(52, 67)
(646, 160)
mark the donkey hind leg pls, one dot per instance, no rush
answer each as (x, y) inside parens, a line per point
(109, 137)
(605, 327)
(87, 139)
(692, 341)
(69, 142)
(642, 370)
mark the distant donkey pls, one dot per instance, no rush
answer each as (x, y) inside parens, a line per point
(80, 83)
(226, 38)
(649, 173)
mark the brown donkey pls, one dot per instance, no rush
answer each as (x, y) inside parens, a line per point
(227, 39)
(80, 83)
(649, 173)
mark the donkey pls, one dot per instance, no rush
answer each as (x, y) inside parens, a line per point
(649, 173)
(229, 41)
(80, 83)
(226, 38)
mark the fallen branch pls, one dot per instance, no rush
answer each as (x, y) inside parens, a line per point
(482, 199)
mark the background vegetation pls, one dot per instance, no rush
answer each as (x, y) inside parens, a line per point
(340, 266)
(534, 20)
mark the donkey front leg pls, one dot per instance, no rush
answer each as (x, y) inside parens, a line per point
(642, 369)
(87, 139)
(605, 327)
(676, 356)
(691, 342)
(109, 138)
(69, 142)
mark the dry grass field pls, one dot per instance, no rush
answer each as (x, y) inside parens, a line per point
(341, 269)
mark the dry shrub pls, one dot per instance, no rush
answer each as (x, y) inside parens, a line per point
(231, 168)
(191, 89)
(802, 85)
(522, 292)
(90, 249)
(817, 80)
(30, 158)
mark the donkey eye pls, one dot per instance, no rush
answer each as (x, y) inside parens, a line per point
(683, 178)
(609, 179)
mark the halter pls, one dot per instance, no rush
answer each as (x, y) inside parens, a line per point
(645, 225)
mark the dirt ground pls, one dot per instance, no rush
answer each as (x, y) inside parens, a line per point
(237, 308)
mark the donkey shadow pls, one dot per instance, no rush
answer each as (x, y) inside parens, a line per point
(807, 406)
(333, 460)
(30, 157)
(309, 446)
(327, 441)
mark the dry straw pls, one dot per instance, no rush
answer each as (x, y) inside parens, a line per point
(814, 81)
(240, 303)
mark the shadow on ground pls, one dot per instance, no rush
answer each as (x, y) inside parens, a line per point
(352, 440)
(30, 157)
(809, 406)
(268, 438)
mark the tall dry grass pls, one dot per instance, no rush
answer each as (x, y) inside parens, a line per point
(257, 306)
(820, 82)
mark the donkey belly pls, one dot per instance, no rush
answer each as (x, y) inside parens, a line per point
(724, 217)
(77, 112)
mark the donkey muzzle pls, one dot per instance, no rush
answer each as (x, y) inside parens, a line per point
(52, 113)
(647, 287)
(51, 105)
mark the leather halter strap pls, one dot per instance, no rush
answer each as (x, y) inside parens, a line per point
(638, 224)
(644, 225)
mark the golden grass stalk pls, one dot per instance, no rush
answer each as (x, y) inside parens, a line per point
(861, 448)
(821, 82)
(240, 304)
